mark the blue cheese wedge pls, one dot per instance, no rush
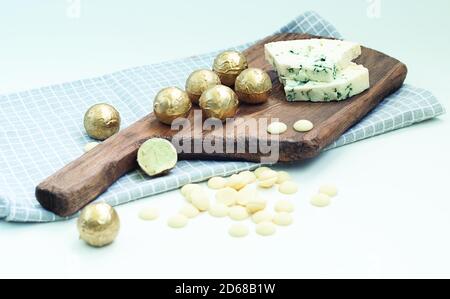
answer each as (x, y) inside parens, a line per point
(311, 59)
(351, 81)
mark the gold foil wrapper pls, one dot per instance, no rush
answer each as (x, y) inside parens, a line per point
(199, 81)
(228, 65)
(101, 121)
(98, 224)
(253, 86)
(253, 80)
(219, 102)
(171, 103)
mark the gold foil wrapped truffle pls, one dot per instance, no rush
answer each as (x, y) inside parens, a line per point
(101, 121)
(253, 86)
(170, 104)
(228, 65)
(219, 102)
(99, 224)
(199, 81)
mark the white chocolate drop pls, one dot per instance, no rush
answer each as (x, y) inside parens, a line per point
(90, 146)
(177, 221)
(190, 211)
(218, 210)
(329, 190)
(200, 200)
(283, 176)
(283, 219)
(303, 125)
(245, 194)
(260, 170)
(284, 206)
(149, 214)
(265, 228)
(237, 181)
(238, 230)
(256, 204)
(262, 216)
(320, 200)
(217, 183)
(267, 184)
(249, 176)
(268, 174)
(288, 188)
(186, 190)
(226, 196)
(277, 128)
(238, 213)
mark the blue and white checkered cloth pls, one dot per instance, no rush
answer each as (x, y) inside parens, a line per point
(41, 130)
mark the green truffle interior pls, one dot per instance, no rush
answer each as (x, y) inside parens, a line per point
(157, 156)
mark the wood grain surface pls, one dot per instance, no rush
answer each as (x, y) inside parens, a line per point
(83, 180)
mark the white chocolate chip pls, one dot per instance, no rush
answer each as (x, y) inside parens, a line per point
(226, 196)
(237, 182)
(277, 128)
(283, 176)
(267, 184)
(265, 228)
(238, 213)
(260, 170)
(90, 146)
(218, 210)
(303, 125)
(329, 190)
(284, 206)
(177, 221)
(283, 219)
(268, 174)
(238, 230)
(186, 190)
(288, 188)
(200, 200)
(256, 204)
(190, 211)
(320, 200)
(149, 214)
(217, 183)
(249, 176)
(245, 194)
(262, 216)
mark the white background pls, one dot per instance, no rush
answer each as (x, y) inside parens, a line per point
(391, 218)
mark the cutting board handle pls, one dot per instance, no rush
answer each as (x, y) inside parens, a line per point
(83, 180)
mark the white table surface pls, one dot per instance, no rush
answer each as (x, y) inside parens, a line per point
(391, 218)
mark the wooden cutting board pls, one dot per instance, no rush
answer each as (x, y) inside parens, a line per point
(83, 180)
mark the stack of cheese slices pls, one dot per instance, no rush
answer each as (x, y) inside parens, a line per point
(318, 70)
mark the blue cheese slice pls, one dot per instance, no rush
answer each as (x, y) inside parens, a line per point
(351, 81)
(311, 59)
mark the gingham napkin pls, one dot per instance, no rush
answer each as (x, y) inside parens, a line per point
(41, 130)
